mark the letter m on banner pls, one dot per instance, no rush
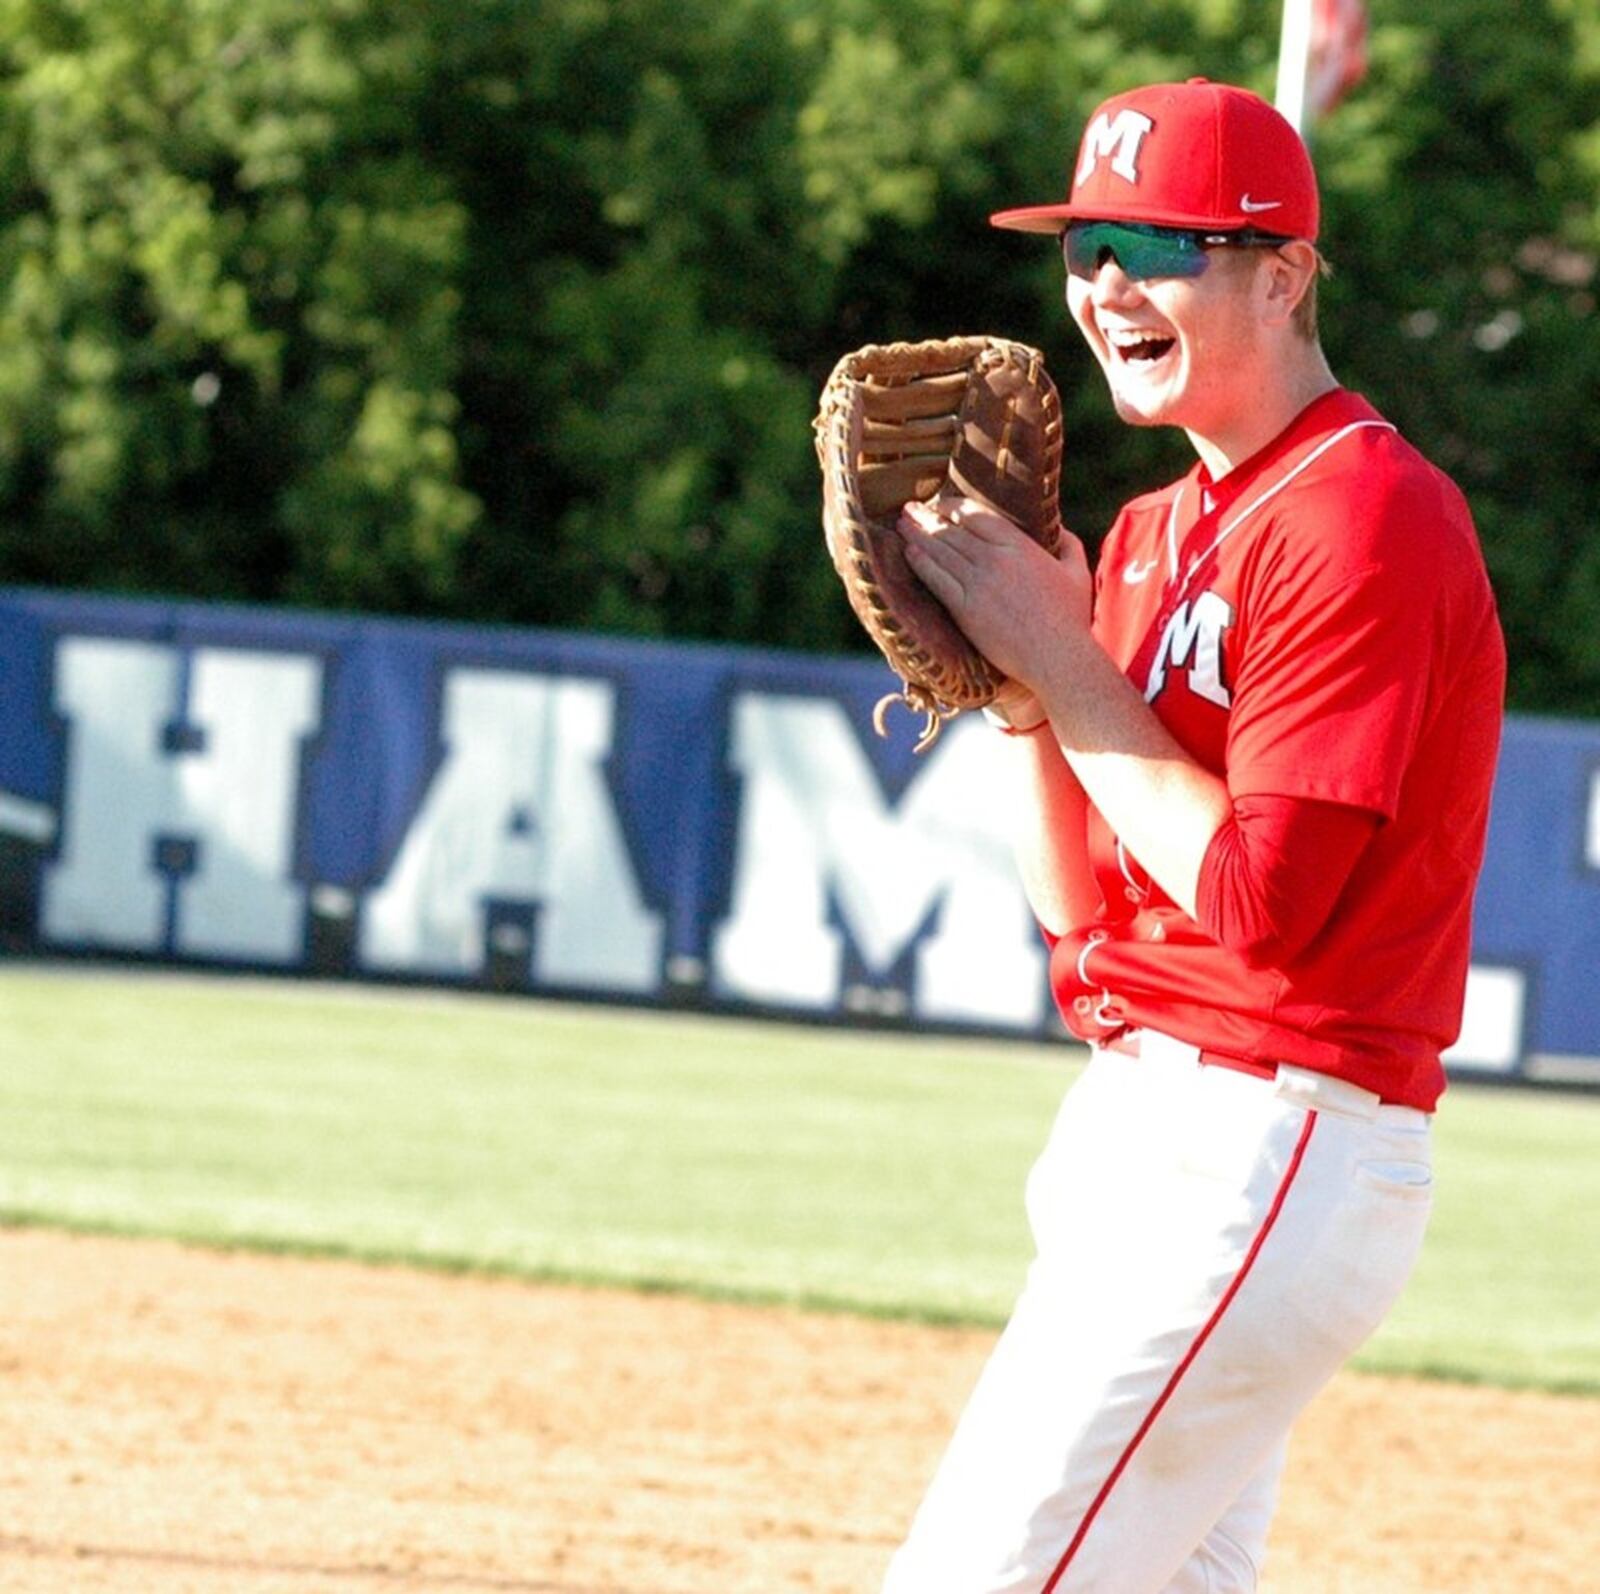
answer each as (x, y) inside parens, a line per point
(823, 856)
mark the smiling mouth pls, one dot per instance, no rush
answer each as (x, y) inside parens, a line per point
(1142, 349)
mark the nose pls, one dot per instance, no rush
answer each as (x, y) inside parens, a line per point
(1110, 288)
(1111, 285)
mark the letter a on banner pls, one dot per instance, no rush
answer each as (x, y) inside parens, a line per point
(519, 812)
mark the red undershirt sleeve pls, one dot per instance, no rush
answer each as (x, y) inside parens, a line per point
(1274, 870)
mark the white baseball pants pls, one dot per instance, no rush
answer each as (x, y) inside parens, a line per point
(1211, 1246)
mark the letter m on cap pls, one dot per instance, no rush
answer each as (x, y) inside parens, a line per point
(1119, 139)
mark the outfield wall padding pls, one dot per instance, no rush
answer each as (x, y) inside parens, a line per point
(577, 815)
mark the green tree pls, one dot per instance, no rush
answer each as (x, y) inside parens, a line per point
(228, 303)
(1463, 194)
(649, 304)
(519, 309)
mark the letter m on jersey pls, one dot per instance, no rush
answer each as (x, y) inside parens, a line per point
(1192, 641)
(1115, 139)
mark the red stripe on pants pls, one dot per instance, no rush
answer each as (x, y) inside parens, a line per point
(1279, 1197)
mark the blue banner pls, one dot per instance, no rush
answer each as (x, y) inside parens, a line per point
(583, 816)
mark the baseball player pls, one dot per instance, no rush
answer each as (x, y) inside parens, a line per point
(1259, 746)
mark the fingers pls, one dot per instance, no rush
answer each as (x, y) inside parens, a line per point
(936, 519)
(984, 522)
(973, 559)
(934, 540)
(937, 566)
(971, 524)
(960, 526)
(1017, 706)
(955, 544)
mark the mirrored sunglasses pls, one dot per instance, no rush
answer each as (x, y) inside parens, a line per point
(1144, 251)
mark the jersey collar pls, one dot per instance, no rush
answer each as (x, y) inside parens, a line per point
(1325, 414)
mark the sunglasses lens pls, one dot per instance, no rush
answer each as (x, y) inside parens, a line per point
(1140, 251)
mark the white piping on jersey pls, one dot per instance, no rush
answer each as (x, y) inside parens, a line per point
(1122, 864)
(1098, 936)
(1250, 508)
(1095, 938)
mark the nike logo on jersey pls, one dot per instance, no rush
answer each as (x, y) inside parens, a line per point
(1134, 571)
(1254, 207)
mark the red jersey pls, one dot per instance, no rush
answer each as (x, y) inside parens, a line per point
(1318, 624)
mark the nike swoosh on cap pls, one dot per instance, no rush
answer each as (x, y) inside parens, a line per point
(1253, 206)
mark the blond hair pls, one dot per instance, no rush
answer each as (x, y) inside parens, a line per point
(1304, 320)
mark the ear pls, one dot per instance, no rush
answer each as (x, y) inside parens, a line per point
(1287, 273)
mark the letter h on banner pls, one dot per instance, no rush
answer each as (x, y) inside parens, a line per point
(178, 816)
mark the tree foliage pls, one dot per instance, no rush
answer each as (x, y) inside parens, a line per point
(230, 295)
(518, 309)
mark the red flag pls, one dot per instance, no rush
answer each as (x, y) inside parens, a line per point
(1338, 52)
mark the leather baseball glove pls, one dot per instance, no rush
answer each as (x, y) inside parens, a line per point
(974, 416)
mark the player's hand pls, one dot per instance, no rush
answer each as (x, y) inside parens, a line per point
(1016, 708)
(1005, 592)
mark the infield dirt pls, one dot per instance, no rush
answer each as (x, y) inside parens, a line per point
(184, 1422)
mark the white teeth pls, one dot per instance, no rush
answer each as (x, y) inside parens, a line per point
(1136, 346)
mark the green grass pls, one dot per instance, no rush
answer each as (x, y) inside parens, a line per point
(768, 1162)
(1508, 1288)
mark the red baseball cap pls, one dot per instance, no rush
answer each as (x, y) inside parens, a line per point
(1195, 154)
